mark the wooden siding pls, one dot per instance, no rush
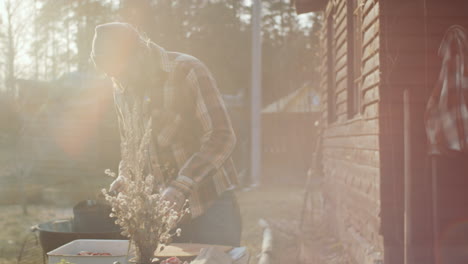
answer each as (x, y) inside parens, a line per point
(351, 147)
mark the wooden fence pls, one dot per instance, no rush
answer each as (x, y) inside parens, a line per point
(288, 140)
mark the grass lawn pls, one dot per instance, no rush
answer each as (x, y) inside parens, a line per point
(15, 231)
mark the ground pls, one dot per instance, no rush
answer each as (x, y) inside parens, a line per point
(280, 205)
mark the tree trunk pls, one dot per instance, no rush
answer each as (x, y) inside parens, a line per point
(11, 52)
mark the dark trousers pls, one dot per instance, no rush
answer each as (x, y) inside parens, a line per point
(220, 225)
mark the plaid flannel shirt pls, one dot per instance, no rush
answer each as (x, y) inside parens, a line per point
(447, 108)
(192, 134)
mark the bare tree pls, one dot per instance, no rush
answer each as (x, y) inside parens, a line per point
(10, 10)
(16, 26)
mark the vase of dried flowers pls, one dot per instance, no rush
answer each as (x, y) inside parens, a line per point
(143, 215)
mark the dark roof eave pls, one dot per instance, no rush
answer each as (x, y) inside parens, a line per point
(306, 6)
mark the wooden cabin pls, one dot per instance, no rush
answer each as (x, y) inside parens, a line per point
(386, 198)
(289, 127)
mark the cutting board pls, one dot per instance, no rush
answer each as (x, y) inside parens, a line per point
(187, 250)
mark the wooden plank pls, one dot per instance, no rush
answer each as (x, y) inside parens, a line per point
(322, 85)
(323, 52)
(329, 9)
(360, 181)
(371, 48)
(341, 97)
(370, 34)
(359, 249)
(370, 65)
(341, 3)
(340, 21)
(340, 40)
(339, 31)
(323, 68)
(371, 16)
(371, 110)
(359, 157)
(354, 128)
(370, 95)
(342, 116)
(323, 55)
(371, 79)
(341, 7)
(372, 87)
(341, 88)
(325, 116)
(355, 198)
(354, 175)
(323, 73)
(364, 157)
(323, 82)
(341, 110)
(341, 51)
(341, 62)
(368, 5)
(341, 74)
(360, 209)
(340, 101)
(370, 142)
(361, 206)
(324, 94)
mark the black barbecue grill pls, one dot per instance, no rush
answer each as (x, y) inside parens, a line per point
(91, 221)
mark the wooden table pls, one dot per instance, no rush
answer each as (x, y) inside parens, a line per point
(222, 254)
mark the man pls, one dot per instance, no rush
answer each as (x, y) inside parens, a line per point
(192, 135)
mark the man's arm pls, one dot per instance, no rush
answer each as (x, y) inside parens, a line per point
(117, 184)
(218, 140)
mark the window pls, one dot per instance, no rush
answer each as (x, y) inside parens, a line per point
(354, 20)
(331, 96)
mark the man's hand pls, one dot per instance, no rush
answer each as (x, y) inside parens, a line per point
(117, 185)
(175, 197)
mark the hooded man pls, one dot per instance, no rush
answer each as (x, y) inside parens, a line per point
(192, 134)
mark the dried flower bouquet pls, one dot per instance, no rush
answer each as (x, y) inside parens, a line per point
(143, 215)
